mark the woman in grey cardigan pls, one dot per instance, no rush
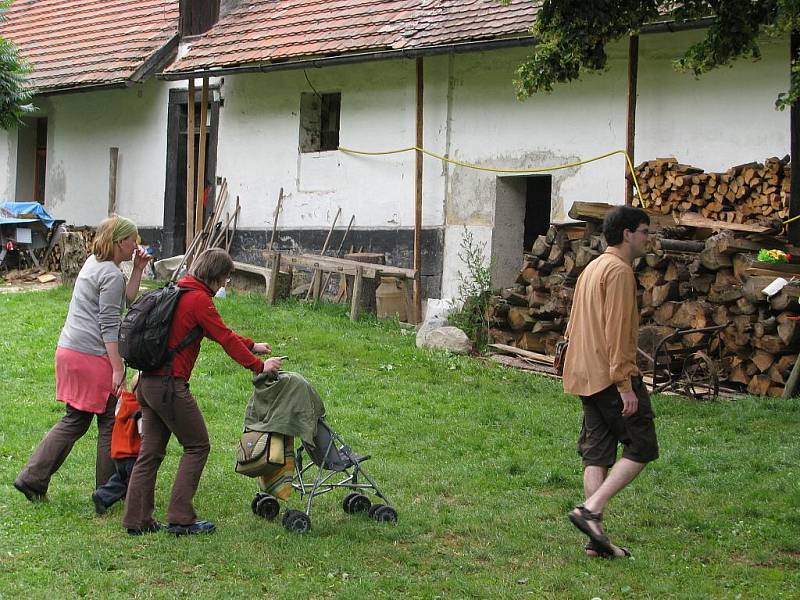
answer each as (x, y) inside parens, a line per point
(89, 370)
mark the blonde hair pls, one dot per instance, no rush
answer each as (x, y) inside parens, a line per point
(110, 230)
(212, 266)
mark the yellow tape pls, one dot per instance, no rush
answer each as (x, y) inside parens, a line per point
(496, 170)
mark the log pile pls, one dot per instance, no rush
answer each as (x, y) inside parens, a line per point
(690, 278)
(749, 193)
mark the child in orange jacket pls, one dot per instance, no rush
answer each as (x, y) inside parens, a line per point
(126, 441)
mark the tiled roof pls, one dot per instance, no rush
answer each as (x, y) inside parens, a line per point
(80, 43)
(266, 31)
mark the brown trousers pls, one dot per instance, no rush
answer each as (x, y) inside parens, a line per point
(166, 409)
(53, 450)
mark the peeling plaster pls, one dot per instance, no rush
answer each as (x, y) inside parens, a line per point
(56, 186)
(471, 200)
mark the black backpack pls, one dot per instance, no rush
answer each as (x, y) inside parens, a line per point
(144, 331)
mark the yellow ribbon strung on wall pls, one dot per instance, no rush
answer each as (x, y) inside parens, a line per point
(498, 170)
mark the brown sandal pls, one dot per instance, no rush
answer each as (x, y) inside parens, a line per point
(581, 521)
(600, 553)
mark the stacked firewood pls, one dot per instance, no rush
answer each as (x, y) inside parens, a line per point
(749, 193)
(689, 279)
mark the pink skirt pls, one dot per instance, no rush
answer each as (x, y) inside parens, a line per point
(83, 380)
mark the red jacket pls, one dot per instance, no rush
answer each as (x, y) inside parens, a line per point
(196, 308)
(125, 438)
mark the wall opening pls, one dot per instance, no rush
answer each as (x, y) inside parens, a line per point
(319, 121)
(174, 232)
(197, 16)
(522, 212)
(31, 160)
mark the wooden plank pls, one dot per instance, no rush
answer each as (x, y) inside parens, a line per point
(357, 286)
(315, 285)
(344, 266)
(273, 278)
(201, 161)
(190, 165)
(691, 219)
(113, 160)
(534, 356)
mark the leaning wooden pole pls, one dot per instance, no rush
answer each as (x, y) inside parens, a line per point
(113, 161)
(190, 164)
(418, 196)
(201, 161)
(793, 229)
(633, 75)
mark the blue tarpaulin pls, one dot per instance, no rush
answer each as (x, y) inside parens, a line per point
(24, 212)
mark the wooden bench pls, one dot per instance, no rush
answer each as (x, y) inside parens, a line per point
(342, 266)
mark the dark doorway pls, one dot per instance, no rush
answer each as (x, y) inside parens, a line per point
(31, 160)
(174, 237)
(40, 163)
(537, 207)
(521, 212)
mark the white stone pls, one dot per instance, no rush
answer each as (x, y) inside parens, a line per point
(447, 338)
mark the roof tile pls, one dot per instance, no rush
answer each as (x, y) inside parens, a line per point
(261, 31)
(75, 43)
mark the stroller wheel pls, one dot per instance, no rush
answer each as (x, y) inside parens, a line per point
(373, 509)
(384, 514)
(346, 502)
(268, 507)
(254, 503)
(357, 503)
(297, 521)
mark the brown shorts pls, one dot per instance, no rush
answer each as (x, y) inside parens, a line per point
(604, 428)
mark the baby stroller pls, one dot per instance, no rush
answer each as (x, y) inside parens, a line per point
(332, 465)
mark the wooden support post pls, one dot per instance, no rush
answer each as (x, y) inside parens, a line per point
(339, 251)
(633, 73)
(201, 161)
(273, 278)
(316, 274)
(356, 302)
(408, 298)
(793, 229)
(418, 196)
(275, 220)
(190, 164)
(112, 180)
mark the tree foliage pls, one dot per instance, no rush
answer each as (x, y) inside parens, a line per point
(15, 95)
(572, 36)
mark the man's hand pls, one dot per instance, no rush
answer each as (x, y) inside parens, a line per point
(630, 403)
(273, 365)
(262, 348)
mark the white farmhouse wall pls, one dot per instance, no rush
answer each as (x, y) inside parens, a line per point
(8, 165)
(258, 148)
(724, 118)
(81, 128)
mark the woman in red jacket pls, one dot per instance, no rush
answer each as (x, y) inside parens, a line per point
(168, 406)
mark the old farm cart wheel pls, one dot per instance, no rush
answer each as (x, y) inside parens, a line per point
(700, 377)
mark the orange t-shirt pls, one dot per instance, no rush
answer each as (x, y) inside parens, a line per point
(125, 438)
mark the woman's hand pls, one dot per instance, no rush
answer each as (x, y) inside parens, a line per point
(140, 258)
(272, 366)
(262, 348)
(118, 384)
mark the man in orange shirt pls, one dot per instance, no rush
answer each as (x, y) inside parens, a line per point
(600, 367)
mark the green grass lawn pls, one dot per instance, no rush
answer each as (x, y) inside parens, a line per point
(479, 461)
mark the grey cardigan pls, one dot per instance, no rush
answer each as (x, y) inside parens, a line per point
(95, 309)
